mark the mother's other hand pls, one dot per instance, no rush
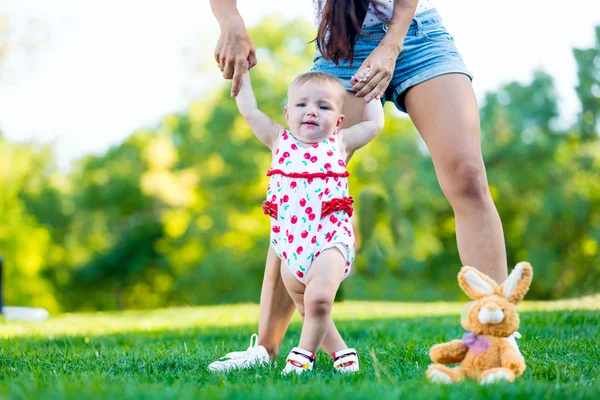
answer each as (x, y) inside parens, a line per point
(373, 77)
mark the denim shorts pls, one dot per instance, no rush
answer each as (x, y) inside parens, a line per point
(428, 51)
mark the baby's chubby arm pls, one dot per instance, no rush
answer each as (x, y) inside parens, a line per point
(358, 135)
(261, 125)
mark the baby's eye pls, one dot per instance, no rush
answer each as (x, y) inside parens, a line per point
(300, 105)
(324, 108)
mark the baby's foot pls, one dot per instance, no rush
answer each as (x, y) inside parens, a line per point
(299, 361)
(346, 361)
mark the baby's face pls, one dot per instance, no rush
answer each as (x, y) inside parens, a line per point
(314, 111)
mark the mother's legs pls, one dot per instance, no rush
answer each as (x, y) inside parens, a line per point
(445, 112)
(276, 307)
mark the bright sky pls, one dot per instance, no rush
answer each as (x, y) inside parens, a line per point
(109, 67)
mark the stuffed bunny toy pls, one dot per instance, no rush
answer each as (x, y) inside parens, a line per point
(489, 353)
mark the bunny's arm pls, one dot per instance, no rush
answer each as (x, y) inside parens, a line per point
(448, 353)
(510, 359)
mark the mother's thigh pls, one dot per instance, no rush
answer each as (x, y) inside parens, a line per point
(445, 112)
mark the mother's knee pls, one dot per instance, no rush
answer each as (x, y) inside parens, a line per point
(466, 182)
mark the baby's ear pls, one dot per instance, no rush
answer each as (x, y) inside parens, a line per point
(475, 284)
(340, 120)
(517, 284)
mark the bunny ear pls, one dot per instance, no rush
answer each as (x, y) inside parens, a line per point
(475, 284)
(517, 284)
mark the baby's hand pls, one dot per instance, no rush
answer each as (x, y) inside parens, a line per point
(361, 75)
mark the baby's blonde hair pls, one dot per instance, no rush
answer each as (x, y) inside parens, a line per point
(318, 77)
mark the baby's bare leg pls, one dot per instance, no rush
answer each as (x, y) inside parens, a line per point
(322, 283)
(332, 342)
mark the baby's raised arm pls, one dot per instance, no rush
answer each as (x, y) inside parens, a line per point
(263, 127)
(357, 136)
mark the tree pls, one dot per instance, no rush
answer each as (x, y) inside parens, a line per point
(25, 243)
(588, 89)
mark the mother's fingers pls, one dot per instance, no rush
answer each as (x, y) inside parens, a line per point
(228, 69)
(378, 90)
(371, 84)
(252, 59)
(240, 67)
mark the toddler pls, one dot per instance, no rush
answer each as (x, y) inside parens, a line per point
(309, 204)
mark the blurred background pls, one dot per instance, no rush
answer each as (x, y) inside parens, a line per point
(129, 180)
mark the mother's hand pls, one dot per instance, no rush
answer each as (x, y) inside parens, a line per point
(234, 52)
(374, 75)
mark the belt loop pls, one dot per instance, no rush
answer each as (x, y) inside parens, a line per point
(419, 25)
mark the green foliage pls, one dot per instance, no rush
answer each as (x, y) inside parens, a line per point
(24, 242)
(588, 90)
(172, 215)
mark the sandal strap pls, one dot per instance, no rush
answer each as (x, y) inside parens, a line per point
(305, 353)
(301, 358)
(345, 358)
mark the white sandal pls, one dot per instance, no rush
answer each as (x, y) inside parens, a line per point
(345, 361)
(299, 361)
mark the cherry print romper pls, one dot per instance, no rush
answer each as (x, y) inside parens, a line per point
(308, 202)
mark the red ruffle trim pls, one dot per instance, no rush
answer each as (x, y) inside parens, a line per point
(308, 175)
(339, 204)
(327, 207)
(270, 208)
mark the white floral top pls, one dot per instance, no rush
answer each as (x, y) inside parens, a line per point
(379, 11)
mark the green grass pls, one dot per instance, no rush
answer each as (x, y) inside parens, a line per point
(163, 354)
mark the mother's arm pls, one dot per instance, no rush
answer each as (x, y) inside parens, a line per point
(375, 74)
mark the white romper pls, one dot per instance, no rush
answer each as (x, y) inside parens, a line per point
(309, 204)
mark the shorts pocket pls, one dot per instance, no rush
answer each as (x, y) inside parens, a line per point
(437, 34)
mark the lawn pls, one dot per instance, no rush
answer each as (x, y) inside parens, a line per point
(163, 354)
